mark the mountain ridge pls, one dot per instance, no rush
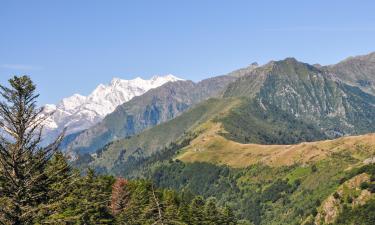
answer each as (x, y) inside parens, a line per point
(79, 112)
(282, 102)
(356, 70)
(152, 108)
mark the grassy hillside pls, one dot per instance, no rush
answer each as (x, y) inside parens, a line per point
(282, 194)
(212, 147)
(156, 138)
(277, 128)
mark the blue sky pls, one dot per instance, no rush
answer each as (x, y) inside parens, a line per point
(71, 46)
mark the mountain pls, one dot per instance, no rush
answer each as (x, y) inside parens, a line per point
(275, 144)
(282, 102)
(358, 71)
(154, 107)
(79, 112)
(306, 93)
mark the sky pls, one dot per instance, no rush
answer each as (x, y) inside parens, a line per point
(71, 46)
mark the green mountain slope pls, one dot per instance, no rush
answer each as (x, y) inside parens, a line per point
(244, 149)
(283, 194)
(154, 107)
(156, 138)
(305, 93)
(283, 102)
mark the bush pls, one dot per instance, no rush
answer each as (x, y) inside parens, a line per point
(364, 185)
(314, 168)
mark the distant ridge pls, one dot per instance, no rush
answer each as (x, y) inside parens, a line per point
(282, 102)
(79, 112)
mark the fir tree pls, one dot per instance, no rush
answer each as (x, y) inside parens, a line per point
(93, 199)
(197, 211)
(170, 205)
(211, 212)
(25, 183)
(120, 196)
(228, 216)
(63, 183)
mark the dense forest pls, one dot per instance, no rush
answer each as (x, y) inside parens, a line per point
(259, 193)
(38, 186)
(266, 195)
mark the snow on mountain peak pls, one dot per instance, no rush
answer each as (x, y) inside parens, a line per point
(72, 102)
(79, 112)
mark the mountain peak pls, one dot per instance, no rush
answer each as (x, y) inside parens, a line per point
(169, 77)
(290, 59)
(79, 112)
(115, 80)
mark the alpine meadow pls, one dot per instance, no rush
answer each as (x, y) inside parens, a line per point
(286, 141)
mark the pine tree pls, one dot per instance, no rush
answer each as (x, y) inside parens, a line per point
(197, 210)
(25, 183)
(153, 211)
(170, 207)
(228, 216)
(120, 196)
(134, 214)
(61, 175)
(183, 213)
(211, 212)
(64, 183)
(93, 199)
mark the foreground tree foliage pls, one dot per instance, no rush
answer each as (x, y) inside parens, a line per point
(25, 183)
(37, 185)
(142, 203)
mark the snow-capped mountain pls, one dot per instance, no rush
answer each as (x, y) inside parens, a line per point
(79, 112)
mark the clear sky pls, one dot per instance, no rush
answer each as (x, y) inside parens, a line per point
(71, 46)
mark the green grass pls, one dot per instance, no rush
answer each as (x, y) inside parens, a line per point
(156, 138)
(299, 173)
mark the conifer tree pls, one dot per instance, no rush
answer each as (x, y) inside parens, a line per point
(183, 213)
(120, 196)
(197, 210)
(211, 212)
(93, 198)
(25, 183)
(170, 205)
(228, 216)
(64, 183)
